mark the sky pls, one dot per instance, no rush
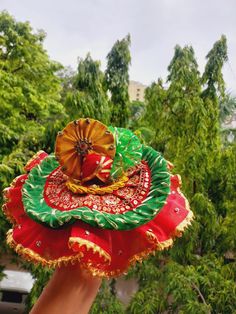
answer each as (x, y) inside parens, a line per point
(75, 27)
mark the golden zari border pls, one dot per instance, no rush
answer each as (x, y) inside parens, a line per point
(5, 208)
(178, 230)
(33, 158)
(151, 237)
(7, 199)
(81, 189)
(95, 271)
(8, 215)
(90, 246)
(31, 256)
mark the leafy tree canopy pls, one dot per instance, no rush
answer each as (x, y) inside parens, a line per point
(29, 94)
(88, 97)
(117, 80)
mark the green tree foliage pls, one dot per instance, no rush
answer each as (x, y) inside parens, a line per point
(227, 107)
(214, 89)
(106, 302)
(198, 274)
(117, 80)
(155, 105)
(181, 119)
(212, 77)
(205, 286)
(227, 110)
(29, 96)
(67, 76)
(88, 97)
(177, 111)
(136, 109)
(30, 110)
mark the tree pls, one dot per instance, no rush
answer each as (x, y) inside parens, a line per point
(214, 89)
(227, 107)
(31, 112)
(174, 288)
(176, 111)
(227, 112)
(136, 109)
(67, 77)
(88, 97)
(29, 94)
(185, 119)
(212, 77)
(117, 80)
(106, 302)
(199, 271)
(156, 104)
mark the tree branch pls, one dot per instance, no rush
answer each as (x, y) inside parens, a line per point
(199, 294)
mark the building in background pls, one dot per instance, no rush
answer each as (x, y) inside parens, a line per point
(229, 127)
(136, 91)
(14, 287)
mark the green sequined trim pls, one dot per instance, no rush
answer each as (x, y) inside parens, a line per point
(37, 209)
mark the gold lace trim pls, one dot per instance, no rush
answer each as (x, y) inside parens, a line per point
(35, 156)
(7, 199)
(90, 246)
(157, 246)
(36, 258)
(176, 234)
(80, 189)
(8, 214)
(31, 256)
(178, 230)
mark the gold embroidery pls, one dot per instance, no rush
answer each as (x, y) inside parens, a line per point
(31, 256)
(90, 246)
(80, 189)
(35, 156)
(95, 271)
(151, 237)
(8, 214)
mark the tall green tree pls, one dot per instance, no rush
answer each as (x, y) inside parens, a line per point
(30, 108)
(117, 80)
(67, 77)
(199, 271)
(214, 89)
(88, 97)
(176, 111)
(155, 106)
(185, 119)
(212, 77)
(29, 95)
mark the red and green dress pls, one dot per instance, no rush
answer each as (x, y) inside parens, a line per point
(103, 200)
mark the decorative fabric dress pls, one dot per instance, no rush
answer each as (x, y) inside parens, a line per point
(103, 200)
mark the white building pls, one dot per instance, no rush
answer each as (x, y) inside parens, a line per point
(136, 91)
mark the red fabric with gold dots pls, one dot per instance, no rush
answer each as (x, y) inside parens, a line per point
(102, 252)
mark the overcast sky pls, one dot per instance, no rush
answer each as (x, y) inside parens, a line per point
(75, 27)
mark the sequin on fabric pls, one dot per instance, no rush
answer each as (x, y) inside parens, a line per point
(58, 196)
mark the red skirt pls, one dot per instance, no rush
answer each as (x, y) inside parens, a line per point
(103, 252)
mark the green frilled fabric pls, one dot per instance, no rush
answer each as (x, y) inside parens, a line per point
(36, 207)
(128, 151)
